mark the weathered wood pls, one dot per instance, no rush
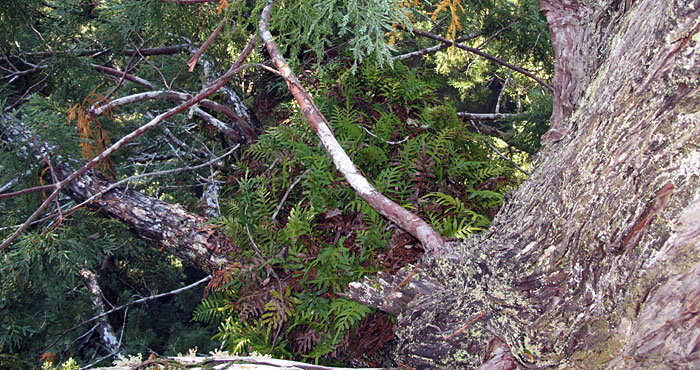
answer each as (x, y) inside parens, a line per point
(170, 226)
(223, 362)
(391, 291)
(406, 220)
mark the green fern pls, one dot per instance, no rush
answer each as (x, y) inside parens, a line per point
(212, 308)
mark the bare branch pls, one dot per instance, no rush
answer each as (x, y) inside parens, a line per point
(432, 49)
(477, 52)
(163, 50)
(286, 194)
(193, 61)
(126, 76)
(486, 116)
(431, 240)
(499, 152)
(119, 308)
(248, 132)
(237, 65)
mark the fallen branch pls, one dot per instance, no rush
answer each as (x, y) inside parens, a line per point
(235, 362)
(431, 240)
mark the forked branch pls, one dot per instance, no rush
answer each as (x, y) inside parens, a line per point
(431, 240)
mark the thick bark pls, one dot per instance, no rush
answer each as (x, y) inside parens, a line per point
(172, 227)
(593, 262)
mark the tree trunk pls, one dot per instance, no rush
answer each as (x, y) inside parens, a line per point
(594, 261)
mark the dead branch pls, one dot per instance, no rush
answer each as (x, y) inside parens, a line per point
(237, 65)
(119, 308)
(431, 240)
(249, 133)
(126, 76)
(477, 52)
(193, 61)
(235, 362)
(432, 49)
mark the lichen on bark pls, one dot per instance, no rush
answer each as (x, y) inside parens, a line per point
(596, 247)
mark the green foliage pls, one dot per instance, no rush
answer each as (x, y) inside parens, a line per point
(414, 150)
(397, 120)
(317, 25)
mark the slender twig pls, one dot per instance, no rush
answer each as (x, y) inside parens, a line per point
(125, 75)
(20, 100)
(499, 152)
(25, 191)
(465, 326)
(119, 308)
(193, 61)
(178, 96)
(136, 177)
(477, 52)
(163, 50)
(432, 49)
(165, 81)
(40, 36)
(286, 193)
(255, 246)
(386, 141)
(237, 66)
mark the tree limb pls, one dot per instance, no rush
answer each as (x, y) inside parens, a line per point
(477, 52)
(119, 308)
(431, 240)
(237, 65)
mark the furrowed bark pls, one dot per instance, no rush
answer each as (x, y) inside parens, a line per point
(593, 262)
(429, 238)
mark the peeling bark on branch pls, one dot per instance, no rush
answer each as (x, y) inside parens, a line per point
(429, 238)
(170, 226)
